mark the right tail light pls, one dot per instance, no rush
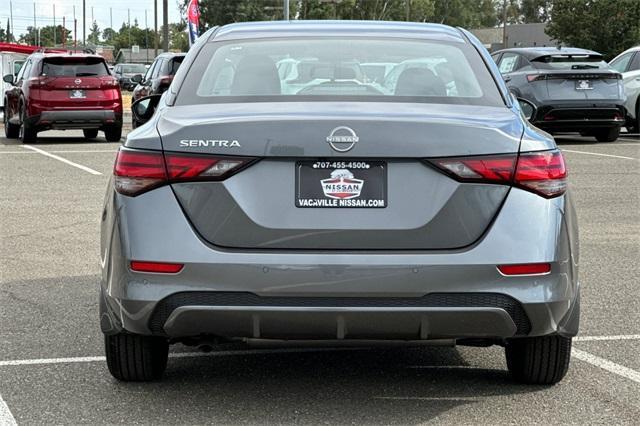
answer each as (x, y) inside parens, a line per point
(543, 172)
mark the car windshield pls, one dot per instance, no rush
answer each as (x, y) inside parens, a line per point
(74, 67)
(331, 68)
(134, 69)
(570, 62)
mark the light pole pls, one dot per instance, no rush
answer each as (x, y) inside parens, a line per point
(165, 25)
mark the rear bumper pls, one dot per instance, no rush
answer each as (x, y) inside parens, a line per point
(76, 119)
(316, 295)
(577, 117)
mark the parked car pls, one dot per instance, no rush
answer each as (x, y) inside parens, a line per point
(628, 64)
(62, 91)
(341, 212)
(574, 90)
(157, 78)
(124, 72)
(10, 63)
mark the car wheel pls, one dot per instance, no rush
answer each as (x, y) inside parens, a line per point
(134, 358)
(27, 134)
(538, 360)
(607, 135)
(113, 134)
(12, 131)
(90, 133)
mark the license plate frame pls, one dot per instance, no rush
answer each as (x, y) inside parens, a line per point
(341, 184)
(584, 85)
(77, 94)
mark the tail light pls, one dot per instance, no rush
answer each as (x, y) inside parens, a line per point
(543, 173)
(109, 83)
(38, 82)
(136, 172)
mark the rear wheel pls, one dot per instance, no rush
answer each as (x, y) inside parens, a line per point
(12, 131)
(90, 133)
(27, 133)
(113, 134)
(134, 358)
(538, 360)
(607, 135)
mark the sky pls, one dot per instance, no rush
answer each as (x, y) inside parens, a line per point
(23, 13)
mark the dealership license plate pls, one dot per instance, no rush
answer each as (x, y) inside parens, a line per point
(584, 85)
(77, 94)
(341, 184)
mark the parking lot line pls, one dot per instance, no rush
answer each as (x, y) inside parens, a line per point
(596, 338)
(62, 152)
(6, 418)
(64, 160)
(599, 154)
(607, 365)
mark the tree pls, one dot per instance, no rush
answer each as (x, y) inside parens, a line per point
(606, 26)
(534, 11)
(109, 36)
(8, 35)
(46, 35)
(94, 34)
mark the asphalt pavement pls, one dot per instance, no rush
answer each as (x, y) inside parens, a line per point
(52, 368)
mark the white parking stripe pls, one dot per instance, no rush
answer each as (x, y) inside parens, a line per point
(6, 418)
(605, 364)
(601, 155)
(64, 160)
(62, 151)
(596, 338)
(44, 361)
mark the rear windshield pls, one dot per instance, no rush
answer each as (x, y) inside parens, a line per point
(74, 67)
(331, 68)
(134, 69)
(570, 62)
(174, 64)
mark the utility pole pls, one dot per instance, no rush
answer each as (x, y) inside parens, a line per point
(54, 24)
(129, 25)
(286, 10)
(64, 31)
(155, 28)
(504, 24)
(407, 10)
(35, 26)
(84, 22)
(75, 28)
(146, 35)
(111, 18)
(9, 36)
(165, 25)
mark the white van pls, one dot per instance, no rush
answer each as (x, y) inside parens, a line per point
(10, 63)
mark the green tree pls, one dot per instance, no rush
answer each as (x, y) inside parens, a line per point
(534, 11)
(94, 34)
(606, 26)
(46, 35)
(109, 36)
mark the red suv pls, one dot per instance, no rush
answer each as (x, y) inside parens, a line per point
(63, 91)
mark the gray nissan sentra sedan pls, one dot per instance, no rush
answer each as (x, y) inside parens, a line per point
(279, 192)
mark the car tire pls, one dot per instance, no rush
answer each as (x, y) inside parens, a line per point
(607, 135)
(11, 131)
(135, 358)
(538, 360)
(27, 133)
(113, 134)
(90, 133)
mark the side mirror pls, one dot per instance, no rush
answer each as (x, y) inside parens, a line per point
(8, 78)
(143, 108)
(528, 109)
(136, 78)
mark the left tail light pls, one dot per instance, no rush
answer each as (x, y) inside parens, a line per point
(136, 172)
(109, 83)
(543, 173)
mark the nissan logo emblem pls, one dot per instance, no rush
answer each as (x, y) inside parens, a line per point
(342, 139)
(77, 81)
